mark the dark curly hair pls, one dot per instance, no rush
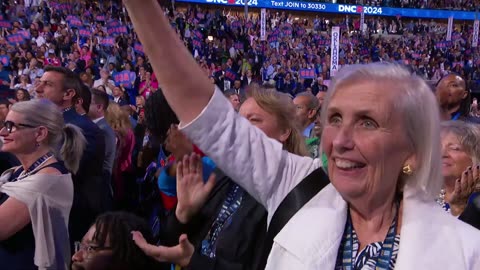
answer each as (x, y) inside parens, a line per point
(117, 228)
(159, 116)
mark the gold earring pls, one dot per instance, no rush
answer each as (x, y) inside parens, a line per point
(407, 170)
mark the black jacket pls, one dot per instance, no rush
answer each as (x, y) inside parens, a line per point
(471, 215)
(91, 188)
(239, 243)
(7, 161)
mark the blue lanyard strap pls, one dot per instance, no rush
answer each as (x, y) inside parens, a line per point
(32, 167)
(456, 116)
(382, 262)
(229, 207)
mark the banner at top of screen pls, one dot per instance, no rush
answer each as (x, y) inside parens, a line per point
(347, 9)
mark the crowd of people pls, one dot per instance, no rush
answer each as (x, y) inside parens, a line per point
(467, 5)
(103, 169)
(107, 54)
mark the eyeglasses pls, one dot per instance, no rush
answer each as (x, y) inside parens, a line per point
(79, 246)
(9, 126)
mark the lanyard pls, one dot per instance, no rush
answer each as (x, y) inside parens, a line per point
(456, 116)
(37, 164)
(382, 262)
(229, 207)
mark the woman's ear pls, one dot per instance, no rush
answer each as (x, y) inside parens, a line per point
(69, 94)
(285, 134)
(312, 113)
(41, 134)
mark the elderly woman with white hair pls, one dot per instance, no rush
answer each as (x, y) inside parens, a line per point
(381, 138)
(460, 165)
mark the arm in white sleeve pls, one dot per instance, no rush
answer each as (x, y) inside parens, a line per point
(243, 152)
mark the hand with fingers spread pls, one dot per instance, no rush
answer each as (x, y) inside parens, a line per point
(179, 254)
(464, 187)
(192, 191)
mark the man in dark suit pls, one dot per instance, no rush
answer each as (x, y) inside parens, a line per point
(239, 90)
(247, 79)
(118, 96)
(83, 100)
(221, 81)
(72, 65)
(96, 113)
(61, 86)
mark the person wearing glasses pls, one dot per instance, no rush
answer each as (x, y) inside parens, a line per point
(36, 197)
(108, 244)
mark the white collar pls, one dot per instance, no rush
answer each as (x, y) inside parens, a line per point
(98, 119)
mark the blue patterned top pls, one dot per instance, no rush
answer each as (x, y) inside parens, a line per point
(372, 256)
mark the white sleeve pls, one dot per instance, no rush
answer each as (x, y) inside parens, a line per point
(244, 153)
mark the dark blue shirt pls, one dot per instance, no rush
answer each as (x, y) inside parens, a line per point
(90, 185)
(4, 77)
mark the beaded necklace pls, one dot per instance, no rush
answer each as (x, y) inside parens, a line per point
(66, 109)
(34, 167)
(441, 200)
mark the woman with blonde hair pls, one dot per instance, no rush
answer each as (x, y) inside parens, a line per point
(36, 197)
(119, 120)
(460, 165)
(280, 109)
(139, 107)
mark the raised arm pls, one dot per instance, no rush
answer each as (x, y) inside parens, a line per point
(91, 45)
(79, 49)
(243, 152)
(159, 41)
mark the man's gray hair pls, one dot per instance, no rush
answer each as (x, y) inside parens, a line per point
(313, 103)
(230, 93)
